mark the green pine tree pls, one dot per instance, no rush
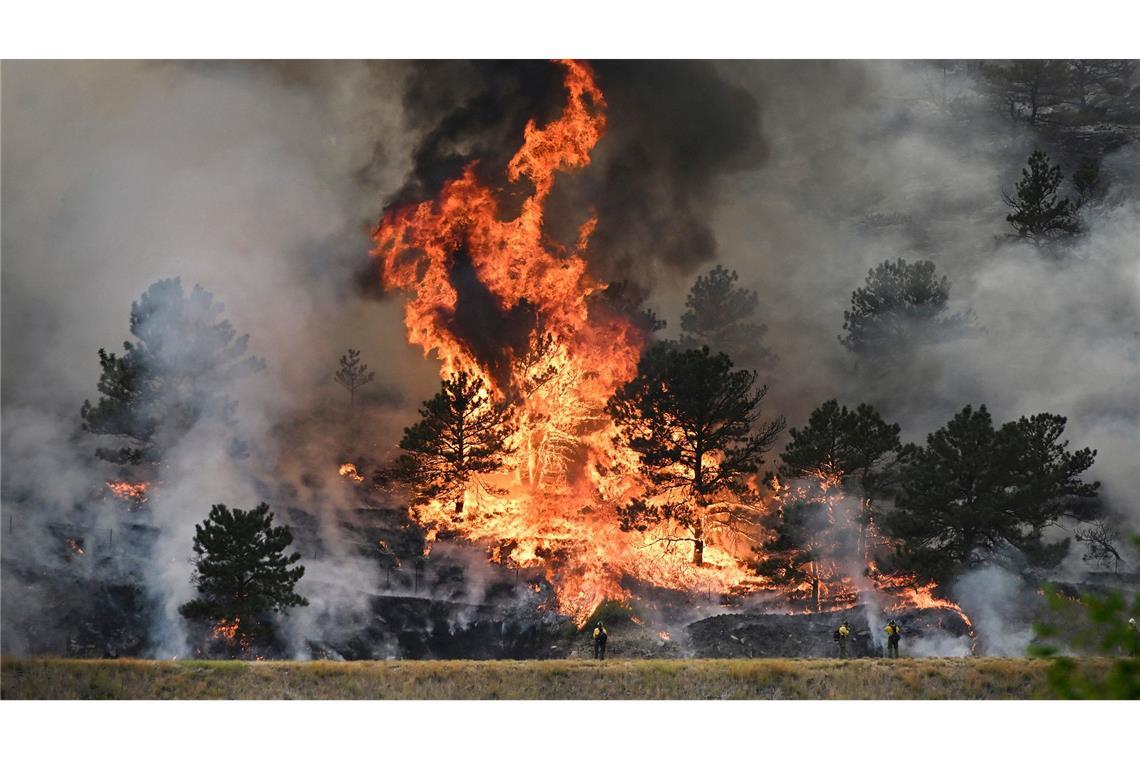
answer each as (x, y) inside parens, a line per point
(973, 493)
(462, 434)
(241, 573)
(1038, 214)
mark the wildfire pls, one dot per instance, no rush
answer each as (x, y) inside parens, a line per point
(134, 494)
(553, 505)
(227, 629)
(922, 597)
(348, 470)
(76, 546)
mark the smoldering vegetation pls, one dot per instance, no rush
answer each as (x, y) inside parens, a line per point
(260, 182)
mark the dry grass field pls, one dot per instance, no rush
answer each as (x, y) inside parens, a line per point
(950, 678)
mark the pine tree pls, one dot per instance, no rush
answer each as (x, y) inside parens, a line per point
(855, 450)
(973, 493)
(353, 374)
(462, 434)
(695, 425)
(721, 315)
(1025, 88)
(900, 306)
(1038, 215)
(177, 373)
(241, 572)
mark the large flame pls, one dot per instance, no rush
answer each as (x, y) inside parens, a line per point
(473, 272)
(562, 485)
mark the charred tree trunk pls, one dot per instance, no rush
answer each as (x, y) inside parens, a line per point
(698, 552)
(459, 505)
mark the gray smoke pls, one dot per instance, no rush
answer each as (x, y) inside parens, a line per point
(260, 181)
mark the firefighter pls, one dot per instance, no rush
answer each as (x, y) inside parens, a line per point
(841, 634)
(600, 636)
(894, 633)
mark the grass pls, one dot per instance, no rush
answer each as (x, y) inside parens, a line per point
(951, 678)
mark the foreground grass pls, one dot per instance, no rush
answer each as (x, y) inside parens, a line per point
(974, 678)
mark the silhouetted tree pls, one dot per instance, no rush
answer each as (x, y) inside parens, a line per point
(695, 425)
(179, 371)
(721, 315)
(1090, 80)
(241, 572)
(1025, 87)
(627, 299)
(853, 449)
(973, 492)
(809, 537)
(462, 434)
(1089, 184)
(899, 306)
(1038, 215)
(1101, 538)
(353, 374)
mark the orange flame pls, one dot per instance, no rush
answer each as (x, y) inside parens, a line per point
(566, 477)
(133, 493)
(348, 470)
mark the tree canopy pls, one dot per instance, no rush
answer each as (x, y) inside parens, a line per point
(696, 426)
(900, 305)
(242, 573)
(353, 374)
(973, 493)
(1037, 213)
(179, 371)
(721, 315)
(462, 434)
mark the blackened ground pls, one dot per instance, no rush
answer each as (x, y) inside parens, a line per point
(781, 635)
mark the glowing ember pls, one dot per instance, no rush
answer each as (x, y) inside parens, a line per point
(227, 629)
(664, 635)
(348, 470)
(76, 546)
(553, 505)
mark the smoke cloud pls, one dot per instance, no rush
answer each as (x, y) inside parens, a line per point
(260, 182)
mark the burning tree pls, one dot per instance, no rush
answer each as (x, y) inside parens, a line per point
(462, 434)
(695, 426)
(241, 573)
(855, 450)
(973, 492)
(179, 372)
(900, 305)
(811, 535)
(353, 374)
(721, 315)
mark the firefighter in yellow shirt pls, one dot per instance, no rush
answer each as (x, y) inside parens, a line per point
(600, 636)
(894, 633)
(841, 635)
